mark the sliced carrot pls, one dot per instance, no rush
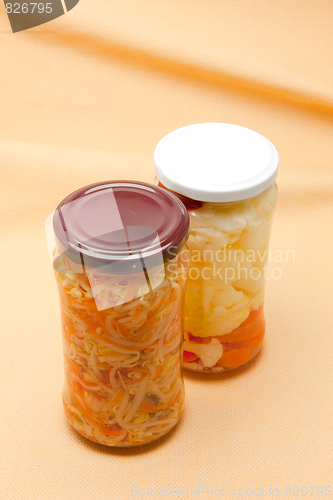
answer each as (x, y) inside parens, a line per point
(100, 320)
(118, 397)
(69, 330)
(239, 334)
(251, 327)
(253, 343)
(234, 358)
(199, 340)
(137, 311)
(72, 363)
(158, 372)
(125, 332)
(84, 314)
(87, 413)
(188, 357)
(168, 301)
(83, 380)
(70, 418)
(91, 304)
(151, 320)
(103, 430)
(105, 367)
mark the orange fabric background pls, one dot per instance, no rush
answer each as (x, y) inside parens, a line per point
(86, 98)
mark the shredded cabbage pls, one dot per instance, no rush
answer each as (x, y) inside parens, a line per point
(123, 384)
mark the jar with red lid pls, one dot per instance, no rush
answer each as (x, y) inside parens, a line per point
(225, 176)
(119, 264)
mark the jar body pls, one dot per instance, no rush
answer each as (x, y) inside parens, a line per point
(229, 248)
(123, 359)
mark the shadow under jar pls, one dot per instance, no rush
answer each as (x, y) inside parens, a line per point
(121, 276)
(225, 176)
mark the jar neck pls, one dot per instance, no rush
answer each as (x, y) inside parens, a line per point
(192, 204)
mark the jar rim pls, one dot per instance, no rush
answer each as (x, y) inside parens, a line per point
(216, 162)
(121, 226)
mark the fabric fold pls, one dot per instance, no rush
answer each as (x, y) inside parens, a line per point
(233, 45)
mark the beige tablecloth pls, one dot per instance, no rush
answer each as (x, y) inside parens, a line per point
(86, 98)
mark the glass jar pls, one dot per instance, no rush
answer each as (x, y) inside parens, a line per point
(225, 176)
(121, 274)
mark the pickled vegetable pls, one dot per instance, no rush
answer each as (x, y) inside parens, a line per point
(229, 247)
(123, 383)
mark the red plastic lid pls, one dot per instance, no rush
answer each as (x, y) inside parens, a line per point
(125, 224)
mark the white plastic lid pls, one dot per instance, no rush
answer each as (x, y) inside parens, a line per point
(216, 162)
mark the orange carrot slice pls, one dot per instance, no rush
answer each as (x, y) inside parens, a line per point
(68, 330)
(199, 340)
(253, 343)
(188, 357)
(100, 320)
(158, 373)
(86, 411)
(72, 363)
(91, 304)
(83, 380)
(168, 301)
(234, 358)
(125, 332)
(137, 311)
(104, 366)
(253, 326)
(151, 320)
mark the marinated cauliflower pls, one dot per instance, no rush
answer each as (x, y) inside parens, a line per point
(208, 353)
(228, 245)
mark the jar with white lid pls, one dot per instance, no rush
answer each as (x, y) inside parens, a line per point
(225, 176)
(121, 276)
